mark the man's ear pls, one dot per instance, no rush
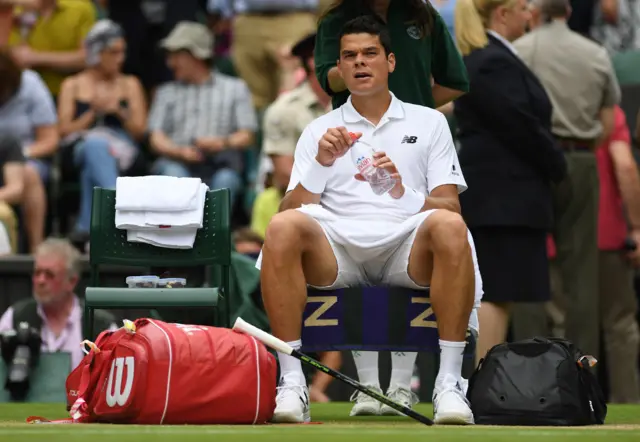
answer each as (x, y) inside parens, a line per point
(391, 60)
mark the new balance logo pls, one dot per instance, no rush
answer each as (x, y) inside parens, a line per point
(409, 139)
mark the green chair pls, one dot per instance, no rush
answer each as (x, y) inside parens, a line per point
(109, 246)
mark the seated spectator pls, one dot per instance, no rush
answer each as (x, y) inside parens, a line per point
(201, 123)
(107, 111)
(11, 190)
(48, 38)
(54, 308)
(28, 114)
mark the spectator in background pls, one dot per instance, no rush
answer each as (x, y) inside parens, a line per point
(284, 121)
(260, 29)
(429, 72)
(105, 113)
(50, 39)
(619, 196)
(55, 309)
(509, 159)
(28, 114)
(616, 25)
(583, 95)
(202, 122)
(423, 47)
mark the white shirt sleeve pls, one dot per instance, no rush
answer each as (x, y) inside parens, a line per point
(305, 153)
(443, 166)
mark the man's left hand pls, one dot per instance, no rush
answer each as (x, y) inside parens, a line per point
(24, 56)
(634, 255)
(382, 161)
(210, 144)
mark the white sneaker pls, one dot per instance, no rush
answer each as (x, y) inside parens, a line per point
(450, 405)
(401, 395)
(292, 405)
(365, 405)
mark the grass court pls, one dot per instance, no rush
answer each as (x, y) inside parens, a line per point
(623, 424)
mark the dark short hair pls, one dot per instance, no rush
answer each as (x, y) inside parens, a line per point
(368, 24)
(10, 75)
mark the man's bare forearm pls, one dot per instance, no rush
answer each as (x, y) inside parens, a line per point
(64, 62)
(629, 184)
(297, 197)
(443, 95)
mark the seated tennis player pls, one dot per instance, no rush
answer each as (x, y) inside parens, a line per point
(333, 231)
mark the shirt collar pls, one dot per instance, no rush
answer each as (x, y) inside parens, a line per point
(502, 40)
(74, 317)
(351, 115)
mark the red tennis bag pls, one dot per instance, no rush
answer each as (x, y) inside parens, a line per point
(152, 372)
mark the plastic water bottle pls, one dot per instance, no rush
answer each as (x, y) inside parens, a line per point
(362, 155)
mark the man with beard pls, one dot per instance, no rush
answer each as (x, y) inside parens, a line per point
(55, 309)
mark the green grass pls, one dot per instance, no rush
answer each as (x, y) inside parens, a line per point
(623, 424)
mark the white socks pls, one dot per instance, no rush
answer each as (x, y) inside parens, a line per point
(401, 368)
(291, 368)
(367, 366)
(402, 364)
(451, 356)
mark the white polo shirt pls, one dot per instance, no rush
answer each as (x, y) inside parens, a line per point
(416, 138)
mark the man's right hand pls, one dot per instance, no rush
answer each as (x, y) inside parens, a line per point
(334, 144)
(190, 154)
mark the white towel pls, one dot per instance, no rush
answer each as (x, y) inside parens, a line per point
(169, 239)
(183, 220)
(157, 193)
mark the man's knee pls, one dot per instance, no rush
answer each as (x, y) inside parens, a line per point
(285, 231)
(445, 230)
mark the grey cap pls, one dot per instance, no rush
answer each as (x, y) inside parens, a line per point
(191, 36)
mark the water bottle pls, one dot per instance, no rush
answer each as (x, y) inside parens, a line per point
(362, 155)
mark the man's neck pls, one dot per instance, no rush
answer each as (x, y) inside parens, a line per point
(372, 107)
(200, 76)
(320, 94)
(58, 313)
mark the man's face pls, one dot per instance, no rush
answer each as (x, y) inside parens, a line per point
(363, 64)
(52, 282)
(181, 63)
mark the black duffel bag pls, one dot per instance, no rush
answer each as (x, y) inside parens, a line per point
(539, 381)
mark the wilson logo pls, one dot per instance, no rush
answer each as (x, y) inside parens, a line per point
(116, 394)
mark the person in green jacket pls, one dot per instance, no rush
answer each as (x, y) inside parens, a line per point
(429, 69)
(429, 72)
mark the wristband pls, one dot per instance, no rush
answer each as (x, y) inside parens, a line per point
(412, 200)
(316, 177)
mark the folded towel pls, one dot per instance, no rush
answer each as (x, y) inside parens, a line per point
(169, 239)
(183, 220)
(157, 193)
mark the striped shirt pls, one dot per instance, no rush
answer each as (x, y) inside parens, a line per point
(228, 7)
(217, 108)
